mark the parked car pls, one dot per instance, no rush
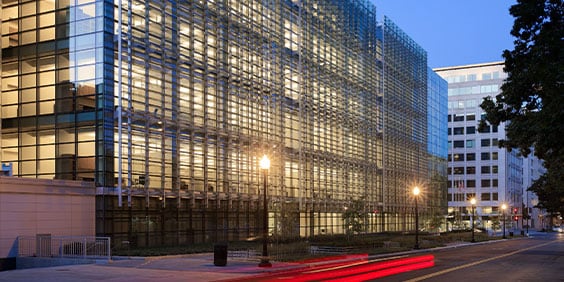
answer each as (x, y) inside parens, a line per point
(557, 228)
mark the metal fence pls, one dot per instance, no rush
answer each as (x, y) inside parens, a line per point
(45, 245)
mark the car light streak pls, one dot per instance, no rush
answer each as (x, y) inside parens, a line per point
(339, 266)
(384, 272)
(368, 270)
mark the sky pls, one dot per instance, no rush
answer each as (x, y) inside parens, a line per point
(453, 32)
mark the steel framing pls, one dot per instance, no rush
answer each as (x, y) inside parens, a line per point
(188, 95)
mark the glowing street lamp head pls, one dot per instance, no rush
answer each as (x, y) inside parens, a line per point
(473, 201)
(504, 207)
(416, 191)
(264, 162)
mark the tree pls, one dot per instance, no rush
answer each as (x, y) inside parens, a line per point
(354, 217)
(287, 218)
(435, 222)
(549, 188)
(531, 98)
(496, 225)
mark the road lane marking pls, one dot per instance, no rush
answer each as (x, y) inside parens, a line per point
(475, 263)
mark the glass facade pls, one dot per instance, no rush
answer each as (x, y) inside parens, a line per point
(169, 105)
(405, 127)
(437, 142)
(53, 87)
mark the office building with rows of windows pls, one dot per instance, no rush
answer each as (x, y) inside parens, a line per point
(167, 106)
(477, 167)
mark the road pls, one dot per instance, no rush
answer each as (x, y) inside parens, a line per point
(536, 258)
(539, 258)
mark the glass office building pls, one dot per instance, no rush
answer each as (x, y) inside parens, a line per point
(437, 143)
(168, 106)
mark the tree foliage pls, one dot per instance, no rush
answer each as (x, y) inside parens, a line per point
(550, 192)
(532, 97)
(354, 217)
(435, 222)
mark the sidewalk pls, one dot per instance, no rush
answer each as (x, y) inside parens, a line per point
(195, 267)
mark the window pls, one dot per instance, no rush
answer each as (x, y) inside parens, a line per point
(494, 156)
(485, 156)
(485, 142)
(471, 183)
(449, 118)
(486, 129)
(471, 156)
(485, 169)
(471, 103)
(470, 117)
(471, 170)
(494, 142)
(487, 88)
(485, 183)
(458, 130)
(459, 144)
(458, 157)
(472, 77)
(494, 128)
(494, 182)
(494, 196)
(469, 143)
(470, 130)
(449, 131)
(458, 118)
(494, 168)
(459, 170)
(485, 197)
(486, 76)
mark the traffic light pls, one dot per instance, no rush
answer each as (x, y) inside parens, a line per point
(516, 218)
(515, 210)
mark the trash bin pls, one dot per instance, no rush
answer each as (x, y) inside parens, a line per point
(510, 233)
(220, 254)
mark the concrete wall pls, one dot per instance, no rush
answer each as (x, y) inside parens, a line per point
(38, 206)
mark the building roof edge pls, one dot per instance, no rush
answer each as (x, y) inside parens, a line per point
(469, 66)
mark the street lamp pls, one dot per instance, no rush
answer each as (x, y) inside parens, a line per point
(473, 203)
(416, 192)
(503, 208)
(264, 262)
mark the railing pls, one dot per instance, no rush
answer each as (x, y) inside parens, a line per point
(245, 254)
(45, 245)
(329, 250)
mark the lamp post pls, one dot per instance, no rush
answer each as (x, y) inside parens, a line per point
(264, 262)
(503, 208)
(473, 203)
(416, 192)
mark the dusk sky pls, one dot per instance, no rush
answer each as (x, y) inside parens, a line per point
(453, 32)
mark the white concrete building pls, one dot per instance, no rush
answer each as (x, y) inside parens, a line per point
(532, 170)
(478, 168)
